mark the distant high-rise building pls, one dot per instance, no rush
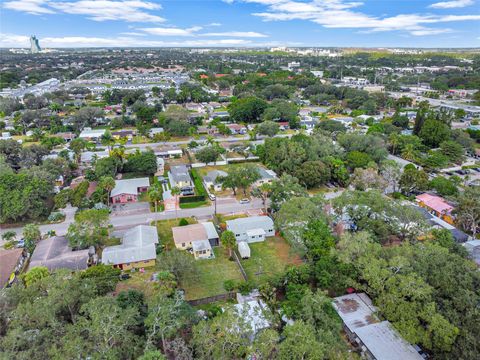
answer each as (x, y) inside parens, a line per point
(34, 45)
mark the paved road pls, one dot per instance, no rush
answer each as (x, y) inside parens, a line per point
(125, 220)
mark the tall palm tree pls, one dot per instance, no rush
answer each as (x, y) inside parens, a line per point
(108, 140)
(394, 140)
(175, 192)
(155, 194)
(409, 152)
(108, 184)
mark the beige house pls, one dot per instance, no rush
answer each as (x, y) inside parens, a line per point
(197, 238)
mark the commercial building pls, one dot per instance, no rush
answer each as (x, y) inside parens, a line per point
(34, 45)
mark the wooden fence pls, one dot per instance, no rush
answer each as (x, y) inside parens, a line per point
(239, 264)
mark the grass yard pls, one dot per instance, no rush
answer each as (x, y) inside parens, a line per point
(268, 258)
(164, 229)
(210, 276)
(138, 281)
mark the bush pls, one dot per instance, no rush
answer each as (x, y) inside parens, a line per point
(229, 285)
(199, 188)
(183, 222)
(246, 287)
(56, 216)
(62, 198)
(191, 199)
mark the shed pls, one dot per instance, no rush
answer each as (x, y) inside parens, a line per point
(244, 249)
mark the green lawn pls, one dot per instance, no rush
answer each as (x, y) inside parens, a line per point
(164, 229)
(211, 274)
(268, 258)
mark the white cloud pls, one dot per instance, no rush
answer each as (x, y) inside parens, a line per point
(14, 40)
(452, 4)
(132, 33)
(99, 10)
(246, 34)
(35, 7)
(214, 24)
(340, 14)
(164, 31)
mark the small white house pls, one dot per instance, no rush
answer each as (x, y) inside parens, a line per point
(251, 229)
(244, 250)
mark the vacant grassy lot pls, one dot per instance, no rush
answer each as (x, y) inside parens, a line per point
(164, 229)
(138, 281)
(268, 258)
(211, 274)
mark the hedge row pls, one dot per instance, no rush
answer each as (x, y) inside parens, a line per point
(191, 199)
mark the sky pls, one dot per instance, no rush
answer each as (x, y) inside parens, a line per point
(240, 23)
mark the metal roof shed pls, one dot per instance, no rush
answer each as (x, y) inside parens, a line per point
(244, 249)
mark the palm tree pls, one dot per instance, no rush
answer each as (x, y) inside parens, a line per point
(108, 140)
(155, 194)
(228, 241)
(409, 152)
(107, 183)
(394, 140)
(175, 192)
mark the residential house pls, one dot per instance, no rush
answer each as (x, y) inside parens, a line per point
(154, 131)
(255, 313)
(88, 157)
(138, 249)
(54, 253)
(11, 262)
(266, 177)
(91, 134)
(126, 191)
(437, 206)
(251, 229)
(209, 130)
(169, 153)
(211, 180)
(179, 176)
(67, 136)
(283, 125)
(160, 166)
(6, 136)
(198, 237)
(129, 134)
(377, 340)
(237, 129)
(473, 248)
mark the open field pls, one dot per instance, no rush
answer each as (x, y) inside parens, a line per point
(210, 276)
(268, 258)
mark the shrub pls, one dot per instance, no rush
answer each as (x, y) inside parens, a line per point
(56, 216)
(183, 222)
(246, 287)
(229, 285)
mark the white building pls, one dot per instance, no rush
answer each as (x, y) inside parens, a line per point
(91, 134)
(251, 229)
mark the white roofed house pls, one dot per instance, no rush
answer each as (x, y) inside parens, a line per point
(91, 134)
(266, 176)
(251, 229)
(211, 180)
(138, 249)
(126, 191)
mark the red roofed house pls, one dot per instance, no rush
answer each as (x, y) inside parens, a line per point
(436, 205)
(220, 75)
(203, 76)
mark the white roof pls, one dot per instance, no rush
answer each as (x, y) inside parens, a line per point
(242, 225)
(138, 244)
(253, 312)
(87, 156)
(256, 232)
(210, 229)
(129, 186)
(358, 314)
(385, 343)
(87, 133)
(200, 245)
(244, 249)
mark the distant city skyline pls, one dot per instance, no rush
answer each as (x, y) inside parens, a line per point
(243, 23)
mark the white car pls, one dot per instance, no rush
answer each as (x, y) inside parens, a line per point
(244, 201)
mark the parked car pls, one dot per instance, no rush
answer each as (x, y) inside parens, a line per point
(244, 201)
(20, 244)
(212, 197)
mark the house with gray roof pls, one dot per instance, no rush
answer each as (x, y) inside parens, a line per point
(138, 249)
(377, 340)
(54, 253)
(179, 176)
(251, 229)
(128, 190)
(211, 180)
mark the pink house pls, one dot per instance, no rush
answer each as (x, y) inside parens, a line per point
(126, 191)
